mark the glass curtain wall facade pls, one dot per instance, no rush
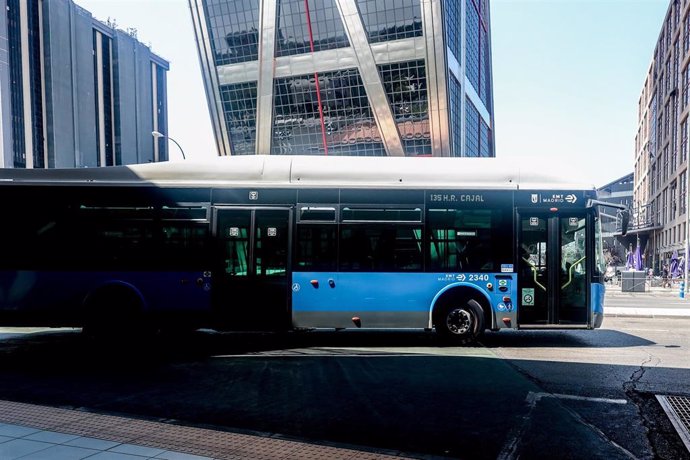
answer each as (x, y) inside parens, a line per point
(661, 145)
(347, 77)
(72, 90)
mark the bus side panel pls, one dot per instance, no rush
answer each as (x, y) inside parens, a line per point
(51, 298)
(380, 300)
(598, 292)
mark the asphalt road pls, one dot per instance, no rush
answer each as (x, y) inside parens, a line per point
(576, 394)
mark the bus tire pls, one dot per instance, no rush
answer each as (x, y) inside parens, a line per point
(460, 321)
(114, 312)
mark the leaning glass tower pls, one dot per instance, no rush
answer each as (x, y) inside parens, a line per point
(347, 77)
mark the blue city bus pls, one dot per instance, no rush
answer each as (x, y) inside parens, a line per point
(284, 243)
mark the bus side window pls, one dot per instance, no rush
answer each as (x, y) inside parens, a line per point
(316, 247)
(381, 247)
(469, 240)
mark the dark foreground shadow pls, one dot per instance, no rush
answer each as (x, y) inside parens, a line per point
(402, 396)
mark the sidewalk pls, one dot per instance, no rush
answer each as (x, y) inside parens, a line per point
(653, 302)
(33, 432)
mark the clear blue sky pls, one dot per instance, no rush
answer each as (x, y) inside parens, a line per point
(567, 75)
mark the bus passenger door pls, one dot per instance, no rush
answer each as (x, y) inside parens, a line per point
(254, 268)
(553, 275)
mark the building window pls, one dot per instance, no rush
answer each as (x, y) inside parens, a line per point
(477, 62)
(344, 125)
(306, 26)
(36, 78)
(455, 116)
(665, 162)
(385, 21)
(674, 191)
(405, 85)
(16, 88)
(104, 101)
(485, 140)
(685, 87)
(472, 45)
(667, 115)
(472, 118)
(239, 108)
(451, 23)
(683, 193)
(676, 61)
(234, 30)
(684, 141)
(686, 34)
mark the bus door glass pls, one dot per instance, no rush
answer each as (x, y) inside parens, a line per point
(552, 269)
(253, 261)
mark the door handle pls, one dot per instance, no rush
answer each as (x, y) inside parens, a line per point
(534, 272)
(570, 271)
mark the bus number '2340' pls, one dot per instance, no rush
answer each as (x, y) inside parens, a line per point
(463, 277)
(474, 277)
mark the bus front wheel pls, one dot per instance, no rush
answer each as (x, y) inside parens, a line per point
(460, 322)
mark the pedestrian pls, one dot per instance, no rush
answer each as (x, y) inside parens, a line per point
(664, 277)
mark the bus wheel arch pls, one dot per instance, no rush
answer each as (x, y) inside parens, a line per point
(115, 308)
(461, 314)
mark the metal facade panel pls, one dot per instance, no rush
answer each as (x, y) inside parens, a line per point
(321, 61)
(409, 49)
(125, 100)
(370, 77)
(144, 103)
(60, 113)
(85, 119)
(164, 153)
(238, 73)
(6, 157)
(432, 18)
(210, 77)
(264, 89)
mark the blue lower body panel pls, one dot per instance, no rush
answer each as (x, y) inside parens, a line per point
(385, 300)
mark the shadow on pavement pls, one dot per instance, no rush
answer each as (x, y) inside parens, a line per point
(598, 338)
(467, 404)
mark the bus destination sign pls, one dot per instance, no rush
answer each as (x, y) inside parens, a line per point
(465, 198)
(457, 197)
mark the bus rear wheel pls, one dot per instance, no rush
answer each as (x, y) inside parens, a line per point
(114, 313)
(460, 322)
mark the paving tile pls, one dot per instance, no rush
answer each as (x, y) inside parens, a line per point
(115, 456)
(92, 443)
(16, 431)
(167, 455)
(136, 450)
(51, 436)
(16, 448)
(61, 453)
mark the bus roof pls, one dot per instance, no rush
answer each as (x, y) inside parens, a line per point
(318, 171)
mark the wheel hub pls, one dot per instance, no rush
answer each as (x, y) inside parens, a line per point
(459, 321)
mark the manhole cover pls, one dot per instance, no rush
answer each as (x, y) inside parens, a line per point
(678, 410)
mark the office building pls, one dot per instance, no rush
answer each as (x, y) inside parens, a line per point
(347, 77)
(76, 92)
(660, 211)
(619, 191)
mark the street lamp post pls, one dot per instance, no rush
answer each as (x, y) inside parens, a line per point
(157, 134)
